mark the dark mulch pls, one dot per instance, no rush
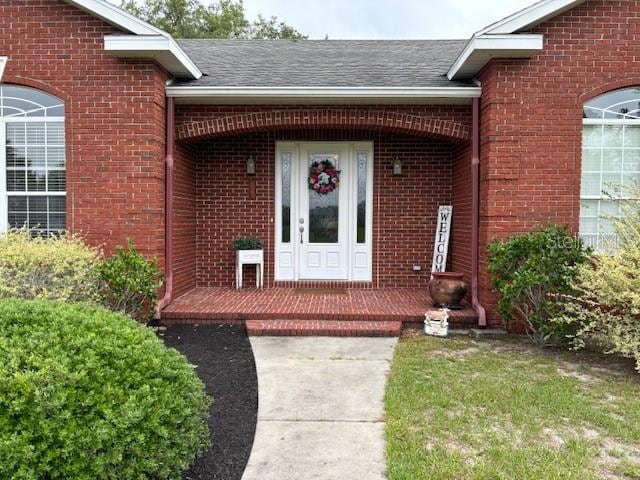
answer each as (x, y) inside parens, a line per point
(227, 368)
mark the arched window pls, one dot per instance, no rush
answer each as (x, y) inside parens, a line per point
(610, 158)
(32, 160)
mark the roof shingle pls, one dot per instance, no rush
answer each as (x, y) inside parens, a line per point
(323, 63)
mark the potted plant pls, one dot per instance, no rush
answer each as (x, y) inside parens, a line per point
(248, 249)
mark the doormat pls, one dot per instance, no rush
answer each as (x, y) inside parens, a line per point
(320, 291)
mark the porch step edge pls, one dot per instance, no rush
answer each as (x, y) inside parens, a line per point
(324, 328)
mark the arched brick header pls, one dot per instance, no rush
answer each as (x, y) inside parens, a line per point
(235, 124)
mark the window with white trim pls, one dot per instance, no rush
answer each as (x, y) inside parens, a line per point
(32, 160)
(610, 159)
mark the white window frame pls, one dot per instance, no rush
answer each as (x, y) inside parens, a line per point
(603, 122)
(4, 193)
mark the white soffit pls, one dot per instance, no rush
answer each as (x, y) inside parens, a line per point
(507, 41)
(480, 50)
(147, 40)
(162, 49)
(3, 63)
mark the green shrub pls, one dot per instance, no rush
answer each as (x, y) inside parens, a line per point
(605, 300)
(247, 243)
(58, 268)
(87, 394)
(528, 271)
(131, 283)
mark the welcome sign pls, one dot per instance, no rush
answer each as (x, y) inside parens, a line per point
(443, 232)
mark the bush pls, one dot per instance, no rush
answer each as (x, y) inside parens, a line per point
(605, 300)
(131, 283)
(528, 271)
(57, 268)
(87, 394)
(247, 243)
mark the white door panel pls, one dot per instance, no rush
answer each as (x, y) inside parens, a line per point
(323, 223)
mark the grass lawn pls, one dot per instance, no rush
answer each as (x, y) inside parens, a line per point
(500, 409)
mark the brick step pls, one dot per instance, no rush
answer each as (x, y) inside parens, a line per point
(324, 328)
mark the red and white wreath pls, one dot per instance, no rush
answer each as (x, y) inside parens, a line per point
(323, 176)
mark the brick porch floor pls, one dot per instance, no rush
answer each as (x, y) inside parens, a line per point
(226, 305)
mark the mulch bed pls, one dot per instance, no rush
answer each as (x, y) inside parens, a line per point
(225, 364)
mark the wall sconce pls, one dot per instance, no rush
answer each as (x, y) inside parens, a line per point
(397, 166)
(251, 165)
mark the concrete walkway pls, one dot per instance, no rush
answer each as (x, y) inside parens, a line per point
(320, 408)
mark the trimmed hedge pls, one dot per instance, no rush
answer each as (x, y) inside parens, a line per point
(57, 268)
(90, 394)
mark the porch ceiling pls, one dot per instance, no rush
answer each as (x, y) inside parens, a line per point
(260, 121)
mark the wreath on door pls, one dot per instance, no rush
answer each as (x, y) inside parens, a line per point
(323, 176)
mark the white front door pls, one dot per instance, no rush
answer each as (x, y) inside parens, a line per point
(323, 215)
(323, 211)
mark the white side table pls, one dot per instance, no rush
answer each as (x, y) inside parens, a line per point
(250, 257)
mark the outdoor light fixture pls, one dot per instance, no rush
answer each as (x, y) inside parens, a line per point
(251, 165)
(397, 166)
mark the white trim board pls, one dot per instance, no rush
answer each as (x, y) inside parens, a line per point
(117, 16)
(311, 95)
(529, 17)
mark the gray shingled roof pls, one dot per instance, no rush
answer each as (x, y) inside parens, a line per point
(323, 63)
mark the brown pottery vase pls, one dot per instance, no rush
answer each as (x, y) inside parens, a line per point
(447, 289)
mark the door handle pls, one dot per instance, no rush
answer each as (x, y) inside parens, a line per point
(301, 229)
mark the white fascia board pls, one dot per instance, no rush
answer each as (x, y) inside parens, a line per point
(481, 49)
(117, 16)
(530, 16)
(163, 49)
(320, 94)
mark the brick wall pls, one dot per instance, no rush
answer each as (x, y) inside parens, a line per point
(115, 113)
(184, 219)
(461, 186)
(404, 206)
(532, 118)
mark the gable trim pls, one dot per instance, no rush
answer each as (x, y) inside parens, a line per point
(530, 16)
(117, 17)
(502, 38)
(148, 41)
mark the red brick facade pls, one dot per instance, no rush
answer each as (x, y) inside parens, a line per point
(531, 124)
(403, 212)
(115, 114)
(404, 206)
(532, 117)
